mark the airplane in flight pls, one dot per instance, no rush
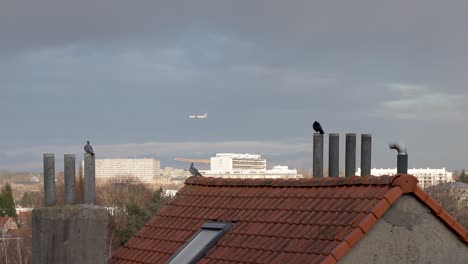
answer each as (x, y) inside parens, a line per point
(199, 116)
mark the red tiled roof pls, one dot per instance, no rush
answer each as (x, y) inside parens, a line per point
(3, 220)
(276, 220)
(24, 232)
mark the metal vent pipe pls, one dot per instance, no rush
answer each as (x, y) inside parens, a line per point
(89, 179)
(317, 170)
(69, 173)
(366, 154)
(350, 158)
(49, 179)
(402, 157)
(334, 155)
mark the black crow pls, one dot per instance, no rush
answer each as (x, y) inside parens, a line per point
(88, 148)
(317, 127)
(194, 171)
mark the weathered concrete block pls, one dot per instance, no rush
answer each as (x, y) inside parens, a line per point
(408, 233)
(70, 234)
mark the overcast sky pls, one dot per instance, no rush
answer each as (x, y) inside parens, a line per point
(126, 75)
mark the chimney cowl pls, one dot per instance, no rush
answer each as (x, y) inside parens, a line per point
(399, 147)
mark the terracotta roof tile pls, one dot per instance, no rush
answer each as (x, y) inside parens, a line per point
(459, 229)
(353, 237)
(329, 260)
(275, 221)
(392, 195)
(339, 251)
(433, 205)
(380, 208)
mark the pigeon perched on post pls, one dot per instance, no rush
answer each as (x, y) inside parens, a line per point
(194, 171)
(317, 127)
(89, 149)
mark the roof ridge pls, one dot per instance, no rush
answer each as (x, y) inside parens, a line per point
(303, 182)
(441, 213)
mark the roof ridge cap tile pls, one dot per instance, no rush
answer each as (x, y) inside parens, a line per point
(408, 183)
(302, 182)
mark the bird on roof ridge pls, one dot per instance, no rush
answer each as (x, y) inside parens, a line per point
(194, 171)
(88, 148)
(317, 127)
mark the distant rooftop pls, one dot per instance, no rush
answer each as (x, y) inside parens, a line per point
(239, 156)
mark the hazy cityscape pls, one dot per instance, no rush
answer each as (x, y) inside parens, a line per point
(233, 132)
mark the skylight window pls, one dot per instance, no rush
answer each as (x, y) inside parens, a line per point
(200, 243)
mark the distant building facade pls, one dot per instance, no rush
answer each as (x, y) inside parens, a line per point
(144, 170)
(232, 165)
(174, 176)
(232, 161)
(426, 177)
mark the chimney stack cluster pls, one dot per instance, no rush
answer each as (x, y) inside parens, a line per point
(69, 177)
(75, 233)
(334, 153)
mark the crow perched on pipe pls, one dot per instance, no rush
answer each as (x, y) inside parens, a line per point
(317, 127)
(194, 171)
(89, 149)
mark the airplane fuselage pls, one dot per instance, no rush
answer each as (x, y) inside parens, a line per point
(199, 116)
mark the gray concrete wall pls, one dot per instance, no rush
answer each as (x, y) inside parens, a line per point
(408, 233)
(70, 234)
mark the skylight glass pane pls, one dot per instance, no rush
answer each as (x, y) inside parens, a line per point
(197, 245)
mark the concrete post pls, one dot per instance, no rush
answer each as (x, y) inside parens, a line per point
(69, 171)
(89, 179)
(350, 160)
(366, 151)
(49, 179)
(402, 163)
(318, 156)
(334, 155)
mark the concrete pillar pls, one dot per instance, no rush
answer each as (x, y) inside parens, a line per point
(89, 179)
(334, 155)
(350, 159)
(49, 179)
(366, 152)
(69, 234)
(69, 171)
(402, 163)
(318, 156)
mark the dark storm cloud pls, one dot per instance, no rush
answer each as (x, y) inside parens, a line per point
(128, 72)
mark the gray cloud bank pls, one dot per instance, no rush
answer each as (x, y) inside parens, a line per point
(129, 72)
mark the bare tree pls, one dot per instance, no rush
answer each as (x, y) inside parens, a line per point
(130, 204)
(453, 198)
(13, 249)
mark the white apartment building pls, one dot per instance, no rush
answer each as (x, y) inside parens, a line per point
(426, 177)
(144, 170)
(232, 165)
(232, 161)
